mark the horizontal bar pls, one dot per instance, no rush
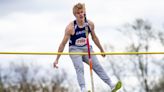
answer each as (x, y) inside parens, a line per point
(80, 53)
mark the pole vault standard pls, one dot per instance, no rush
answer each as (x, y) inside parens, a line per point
(78, 53)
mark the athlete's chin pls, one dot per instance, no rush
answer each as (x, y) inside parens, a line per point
(81, 19)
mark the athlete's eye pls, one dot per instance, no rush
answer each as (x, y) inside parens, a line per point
(81, 11)
(78, 12)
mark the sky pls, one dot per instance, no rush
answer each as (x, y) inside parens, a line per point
(37, 21)
(39, 25)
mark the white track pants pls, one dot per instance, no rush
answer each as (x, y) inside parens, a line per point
(79, 67)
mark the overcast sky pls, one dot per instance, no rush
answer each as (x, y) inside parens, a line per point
(25, 23)
(38, 25)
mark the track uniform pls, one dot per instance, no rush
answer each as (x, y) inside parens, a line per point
(77, 43)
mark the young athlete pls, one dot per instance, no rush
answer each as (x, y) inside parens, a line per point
(76, 34)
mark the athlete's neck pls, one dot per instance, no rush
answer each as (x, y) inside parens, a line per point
(80, 22)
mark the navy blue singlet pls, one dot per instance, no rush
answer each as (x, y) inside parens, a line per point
(79, 37)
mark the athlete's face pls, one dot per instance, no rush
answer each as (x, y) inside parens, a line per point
(80, 14)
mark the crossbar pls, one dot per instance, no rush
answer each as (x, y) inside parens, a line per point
(79, 53)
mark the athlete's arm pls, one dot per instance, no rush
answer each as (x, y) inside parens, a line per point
(95, 38)
(66, 37)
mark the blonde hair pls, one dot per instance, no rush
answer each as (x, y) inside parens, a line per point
(77, 7)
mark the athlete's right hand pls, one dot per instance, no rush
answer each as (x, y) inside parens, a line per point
(103, 55)
(55, 64)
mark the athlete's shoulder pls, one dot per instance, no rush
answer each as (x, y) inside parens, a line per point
(89, 21)
(91, 24)
(69, 27)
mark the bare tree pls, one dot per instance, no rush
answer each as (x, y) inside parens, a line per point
(57, 81)
(1, 83)
(22, 77)
(141, 35)
(159, 84)
(145, 34)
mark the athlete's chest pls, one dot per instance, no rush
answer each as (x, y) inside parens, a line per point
(79, 31)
